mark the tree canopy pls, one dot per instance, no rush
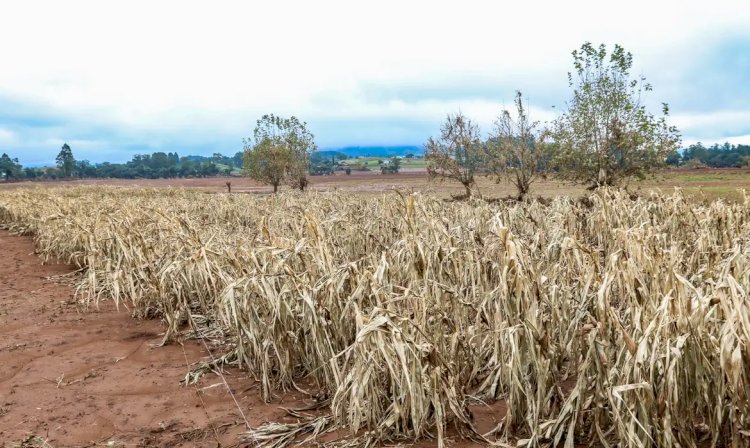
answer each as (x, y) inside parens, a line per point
(607, 135)
(10, 168)
(65, 160)
(391, 166)
(279, 151)
(516, 148)
(268, 162)
(715, 156)
(458, 154)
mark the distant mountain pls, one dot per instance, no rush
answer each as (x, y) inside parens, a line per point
(379, 151)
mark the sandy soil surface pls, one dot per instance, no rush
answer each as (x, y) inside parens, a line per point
(94, 378)
(74, 378)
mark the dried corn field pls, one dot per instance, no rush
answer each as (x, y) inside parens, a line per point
(605, 321)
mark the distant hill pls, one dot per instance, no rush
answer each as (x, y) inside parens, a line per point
(198, 158)
(328, 153)
(379, 151)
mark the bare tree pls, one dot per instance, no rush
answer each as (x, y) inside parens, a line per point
(517, 149)
(458, 154)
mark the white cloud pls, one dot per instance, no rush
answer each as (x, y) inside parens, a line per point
(735, 140)
(171, 72)
(7, 137)
(711, 140)
(77, 143)
(706, 125)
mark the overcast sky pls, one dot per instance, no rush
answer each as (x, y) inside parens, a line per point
(116, 79)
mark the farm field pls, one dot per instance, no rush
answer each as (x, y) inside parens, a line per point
(700, 184)
(73, 378)
(372, 162)
(298, 224)
(606, 318)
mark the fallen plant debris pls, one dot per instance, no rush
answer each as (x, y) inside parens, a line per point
(616, 320)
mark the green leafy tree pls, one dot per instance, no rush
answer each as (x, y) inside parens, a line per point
(392, 166)
(218, 158)
(294, 143)
(10, 168)
(458, 154)
(84, 168)
(606, 135)
(32, 173)
(321, 165)
(268, 162)
(238, 159)
(160, 162)
(516, 149)
(673, 158)
(65, 160)
(717, 156)
(694, 164)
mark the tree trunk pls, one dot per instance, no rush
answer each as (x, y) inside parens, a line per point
(275, 188)
(603, 178)
(523, 187)
(468, 190)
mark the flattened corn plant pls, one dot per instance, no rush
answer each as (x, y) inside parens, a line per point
(607, 320)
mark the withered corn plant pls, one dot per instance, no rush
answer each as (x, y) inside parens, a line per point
(606, 320)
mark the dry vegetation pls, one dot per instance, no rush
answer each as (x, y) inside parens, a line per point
(605, 320)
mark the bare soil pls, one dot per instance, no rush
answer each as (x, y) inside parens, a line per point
(368, 182)
(70, 377)
(702, 184)
(92, 378)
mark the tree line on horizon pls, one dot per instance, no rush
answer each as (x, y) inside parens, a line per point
(141, 166)
(604, 137)
(160, 165)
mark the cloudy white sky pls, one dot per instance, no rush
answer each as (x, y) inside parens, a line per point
(115, 79)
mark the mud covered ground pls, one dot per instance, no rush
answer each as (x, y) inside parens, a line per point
(94, 378)
(700, 184)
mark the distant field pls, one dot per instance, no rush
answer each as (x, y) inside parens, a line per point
(701, 184)
(372, 162)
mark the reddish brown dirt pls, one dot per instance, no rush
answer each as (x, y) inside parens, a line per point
(700, 183)
(357, 182)
(75, 378)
